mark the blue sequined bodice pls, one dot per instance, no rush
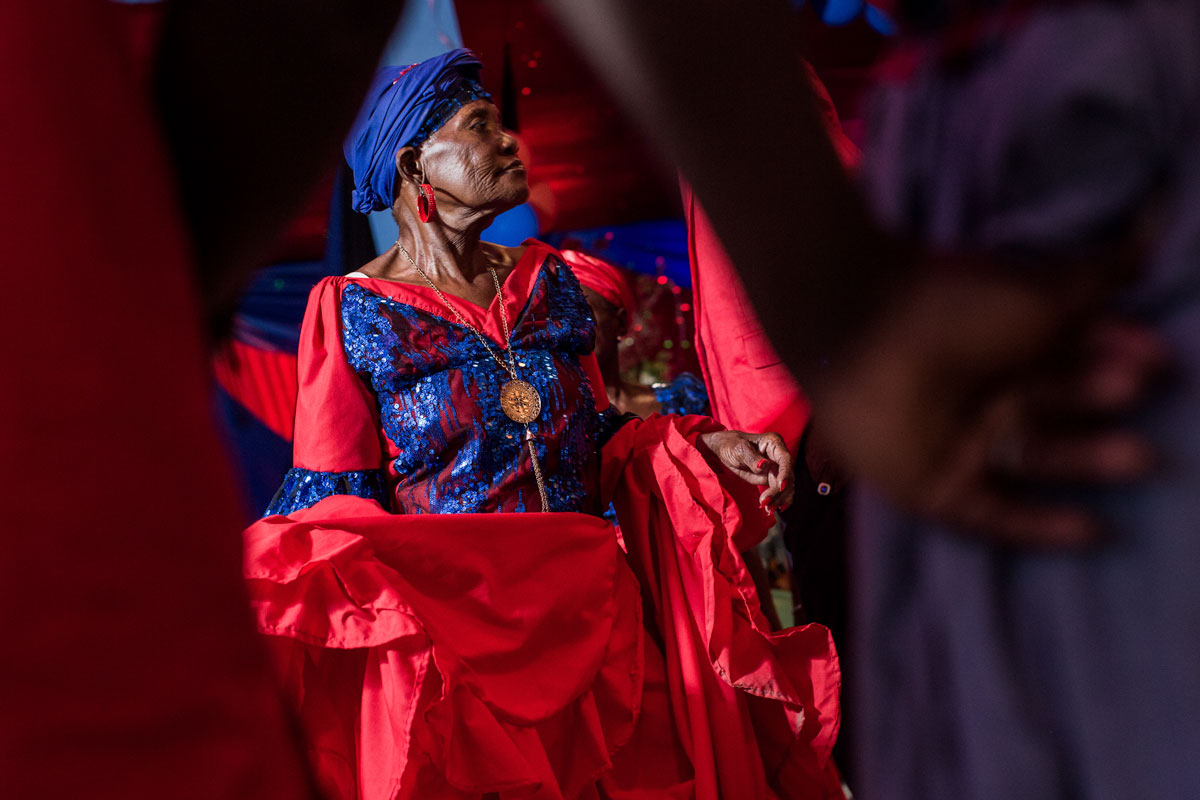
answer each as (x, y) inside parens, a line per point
(451, 449)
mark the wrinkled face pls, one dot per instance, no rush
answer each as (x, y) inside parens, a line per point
(472, 161)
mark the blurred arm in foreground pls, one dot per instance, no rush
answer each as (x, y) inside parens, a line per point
(906, 356)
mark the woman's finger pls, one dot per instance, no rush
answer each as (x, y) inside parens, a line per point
(782, 479)
(771, 446)
(744, 459)
(787, 494)
(766, 500)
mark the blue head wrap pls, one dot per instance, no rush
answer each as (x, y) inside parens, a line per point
(405, 105)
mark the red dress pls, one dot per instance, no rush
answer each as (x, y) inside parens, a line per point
(453, 655)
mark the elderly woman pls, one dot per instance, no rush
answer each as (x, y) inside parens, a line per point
(436, 640)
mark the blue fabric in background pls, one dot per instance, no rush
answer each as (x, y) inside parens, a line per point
(513, 226)
(272, 305)
(843, 12)
(658, 247)
(260, 456)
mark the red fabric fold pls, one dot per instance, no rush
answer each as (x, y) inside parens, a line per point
(450, 656)
(757, 711)
(491, 643)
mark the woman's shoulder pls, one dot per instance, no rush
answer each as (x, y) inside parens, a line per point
(329, 286)
(545, 251)
(333, 291)
(341, 300)
(531, 251)
(324, 299)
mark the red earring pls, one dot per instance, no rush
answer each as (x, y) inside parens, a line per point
(426, 203)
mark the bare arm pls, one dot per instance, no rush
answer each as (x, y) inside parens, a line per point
(918, 381)
(255, 98)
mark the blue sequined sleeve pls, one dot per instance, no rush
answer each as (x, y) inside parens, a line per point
(687, 394)
(303, 488)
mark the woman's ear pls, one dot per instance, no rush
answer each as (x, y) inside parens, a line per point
(408, 166)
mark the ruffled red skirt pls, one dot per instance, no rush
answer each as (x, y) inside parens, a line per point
(527, 655)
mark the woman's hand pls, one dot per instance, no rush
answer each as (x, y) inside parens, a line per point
(761, 459)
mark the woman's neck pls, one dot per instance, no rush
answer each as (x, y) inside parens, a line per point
(445, 251)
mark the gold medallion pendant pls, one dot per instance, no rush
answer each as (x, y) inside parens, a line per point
(520, 401)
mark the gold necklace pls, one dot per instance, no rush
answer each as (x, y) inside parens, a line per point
(519, 401)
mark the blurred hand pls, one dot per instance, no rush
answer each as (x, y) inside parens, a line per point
(968, 452)
(761, 459)
(1060, 429)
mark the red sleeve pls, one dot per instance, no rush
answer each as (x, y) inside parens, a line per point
(749, 386)
(337, 419)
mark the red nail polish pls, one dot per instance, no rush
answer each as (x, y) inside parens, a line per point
(783, 485)
(759, 465)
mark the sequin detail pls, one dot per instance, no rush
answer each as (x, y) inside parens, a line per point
(609, 422)
(686, 394)
(451, 449)
(304, 488)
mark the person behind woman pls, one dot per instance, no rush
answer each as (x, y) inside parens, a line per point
(612, 302)
(435, 641)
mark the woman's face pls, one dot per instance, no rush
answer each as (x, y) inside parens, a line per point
(472, 161)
